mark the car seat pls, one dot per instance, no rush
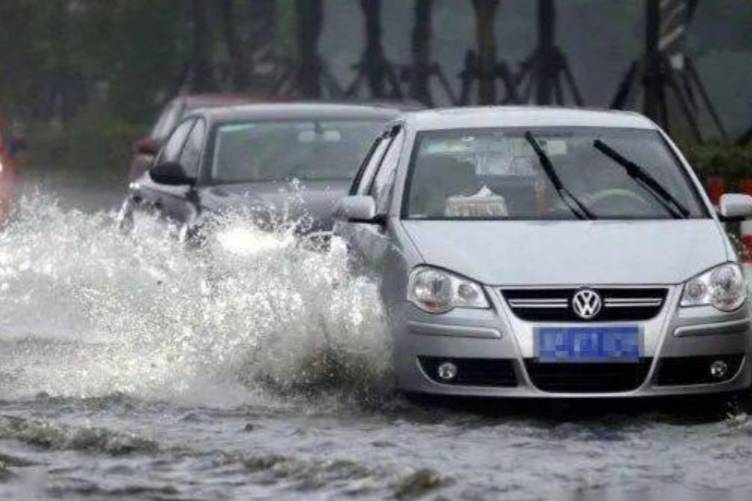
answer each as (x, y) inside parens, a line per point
(437, 178)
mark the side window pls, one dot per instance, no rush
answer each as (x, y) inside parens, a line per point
(365, 174)
(380, 188)
(174, 145)
(190, 158)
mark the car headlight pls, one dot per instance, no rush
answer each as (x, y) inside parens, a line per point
(723, 287)
(438, 291)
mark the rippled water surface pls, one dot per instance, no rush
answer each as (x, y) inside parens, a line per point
(131, 368)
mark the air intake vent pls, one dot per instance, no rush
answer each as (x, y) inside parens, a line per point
(587, 377)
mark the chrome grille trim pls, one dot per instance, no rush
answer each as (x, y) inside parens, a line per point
(554, 304)
(633, 304)
(539, 303)
(634, 300)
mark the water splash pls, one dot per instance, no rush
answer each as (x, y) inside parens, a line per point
(87, 311)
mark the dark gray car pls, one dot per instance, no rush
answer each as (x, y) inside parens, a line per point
(253, 156)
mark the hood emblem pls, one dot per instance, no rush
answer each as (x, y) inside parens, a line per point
(586, 304)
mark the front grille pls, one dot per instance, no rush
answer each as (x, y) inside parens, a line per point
(473, 371)
(587, 377)
(682, 371)
(555, 305)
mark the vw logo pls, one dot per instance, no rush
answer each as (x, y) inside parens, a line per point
(586, 304)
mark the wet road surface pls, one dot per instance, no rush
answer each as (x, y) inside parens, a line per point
(130, 369)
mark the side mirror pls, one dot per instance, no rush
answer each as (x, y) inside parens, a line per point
(357, 208)
(146, 146)
(171, 174)
(735, 206)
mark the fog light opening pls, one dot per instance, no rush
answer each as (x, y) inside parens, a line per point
(447, 371)
(719, 369)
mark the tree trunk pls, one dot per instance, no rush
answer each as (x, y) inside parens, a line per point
(240, 70)
(654, 83)
(203, 72)
(421, 48)
(546, 65)
(485, 16)
(310, 17)
(374, 58)
(262, 33)
(58, 104)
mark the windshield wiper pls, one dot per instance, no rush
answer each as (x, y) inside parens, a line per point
(578, 208)
(651, 185)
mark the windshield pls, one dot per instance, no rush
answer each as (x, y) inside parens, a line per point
(304, 150)
(497, 174)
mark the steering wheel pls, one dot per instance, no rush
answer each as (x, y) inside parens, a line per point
(618, 201)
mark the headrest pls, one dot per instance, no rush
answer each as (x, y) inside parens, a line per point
(457, 175)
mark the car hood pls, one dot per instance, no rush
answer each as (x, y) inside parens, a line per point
(314, 199)
(571, 252)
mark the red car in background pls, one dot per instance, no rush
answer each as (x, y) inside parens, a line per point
(10, 145)
(146, 148)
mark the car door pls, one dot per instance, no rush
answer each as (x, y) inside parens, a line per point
(370, 243)
(148, 196)
(175, 200)
(346, 229)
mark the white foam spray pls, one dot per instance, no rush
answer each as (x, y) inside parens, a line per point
(87, 311)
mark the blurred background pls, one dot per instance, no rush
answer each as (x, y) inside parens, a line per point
(81, 80)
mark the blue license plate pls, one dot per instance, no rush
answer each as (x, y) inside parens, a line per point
(588, 344)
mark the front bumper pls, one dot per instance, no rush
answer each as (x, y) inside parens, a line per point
(677, 340)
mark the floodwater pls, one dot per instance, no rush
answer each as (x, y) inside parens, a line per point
(131, 368)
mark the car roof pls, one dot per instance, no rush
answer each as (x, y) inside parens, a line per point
(524, 116)
(298, 111)
(212, 100)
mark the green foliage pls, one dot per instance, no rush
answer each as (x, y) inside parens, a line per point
(127, 57)
(733, 163)
(93, 149)
(286, 21)
(133, 49)
(136, 50)
(23, 52)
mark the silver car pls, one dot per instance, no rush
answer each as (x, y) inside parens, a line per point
(533, 252)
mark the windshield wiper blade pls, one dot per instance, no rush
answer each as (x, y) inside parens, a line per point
(566, 196)
(651, 185)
